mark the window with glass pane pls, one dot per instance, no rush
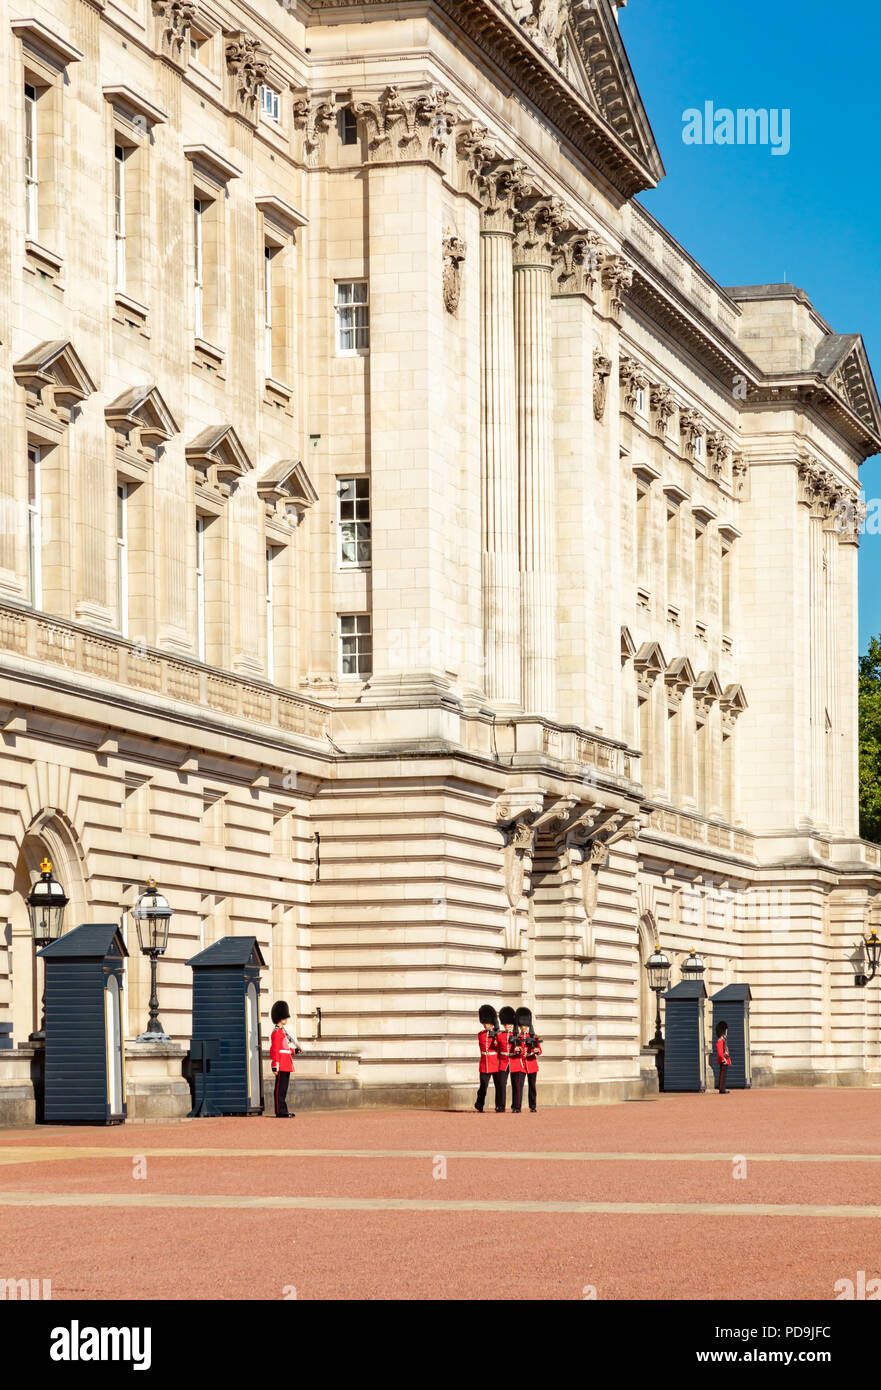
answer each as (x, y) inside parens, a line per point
(198, 247)
(271, 552)
(35, 538)
(122, 557)
(119, 156)
(269, 103)
(31, 185)
(268, 252)
(352, 315)
(348, 126)
(356, 644)
(200, 587)
(354, 521)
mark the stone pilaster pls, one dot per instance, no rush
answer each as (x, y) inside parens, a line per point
(536, 222)
(498, 431)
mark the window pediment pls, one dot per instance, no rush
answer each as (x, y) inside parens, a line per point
(53, 376)
(142, 420)
(287, 490)
(219, 458)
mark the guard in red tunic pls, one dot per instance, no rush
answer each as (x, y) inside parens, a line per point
(525, 1051)
(489, 1057)
(722, 1057)
(281, 1055)
(507, 1019)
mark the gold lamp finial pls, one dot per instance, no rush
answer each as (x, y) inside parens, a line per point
(45, 865)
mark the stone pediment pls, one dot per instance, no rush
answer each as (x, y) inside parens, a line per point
(680, 672)
(287, 490)
(219, 458)
(708, 686)
(733, 698)
(53, 374)
(842, 360)
(650, 661)
(142, 417)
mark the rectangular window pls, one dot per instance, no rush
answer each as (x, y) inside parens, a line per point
(352, 316)
(700, 571)
(726, 589)
(31, 181)
(35, 531)
(119, 157)
(348, 126)
(199, 208)
(356, 644)
(354, 520)
(672, 538)
(200, 47)
(122, 571)
(268, 253)
(643, 565)
(200, 587)
(271, 552)
(270, 103)
(640, 400)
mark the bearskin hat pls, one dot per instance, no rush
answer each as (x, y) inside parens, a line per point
(279, 1011)
(487, 1014)
(524, 1018)
(507, 1015)
(720, 1029)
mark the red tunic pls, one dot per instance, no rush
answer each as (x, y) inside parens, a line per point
(533, 1052)
(489, 1057)
(722, 1052)
(280, 1054)
(503, 1042)
(516, 1052)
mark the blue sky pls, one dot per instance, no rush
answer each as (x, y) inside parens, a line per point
(748, 216)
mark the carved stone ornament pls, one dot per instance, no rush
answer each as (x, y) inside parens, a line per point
(454, 255)
(500, 186)
(633, 380)
(174, 18)
(474, 152)
(578, 257)
(662, 404)
(247, 67)
(586, 854)
(602, 370)
(412, 124)
(718, 452)
(313, 115)
(537, 222)
(617, 278)
(739, 475)
(545, 22)
(691, 426)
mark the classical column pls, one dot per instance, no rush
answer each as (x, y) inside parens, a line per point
(498, 430)
(536, 222)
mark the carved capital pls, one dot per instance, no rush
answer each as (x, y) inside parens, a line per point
(454, 254)
(314, 113)
(718, 452)
(537, 221)
(662, 404)
(602, 370)
(617, 277)
(474, 153)
(500, 186)
(415, 124)
(739, 475)
(173, 21)
(691, 426)
(577, 262)
(247, 68)
(633, 379)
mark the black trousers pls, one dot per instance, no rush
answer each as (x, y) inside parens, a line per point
(485, 1078)
(517, 1078)
(720, 1084)
(500, 1081)
(282, 1081)
(532, 1087)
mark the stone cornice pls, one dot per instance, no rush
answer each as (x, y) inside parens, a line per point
(589, 129)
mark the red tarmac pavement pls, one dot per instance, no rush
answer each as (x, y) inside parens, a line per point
(641, 1200)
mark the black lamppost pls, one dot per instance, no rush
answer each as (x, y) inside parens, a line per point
(658, 968)
(46, 903)
(152, 915)
(872, 945)
(693, 967)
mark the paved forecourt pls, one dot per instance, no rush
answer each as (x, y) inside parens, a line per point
(643, 1200)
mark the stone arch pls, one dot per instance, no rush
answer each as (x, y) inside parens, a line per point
(48, 835)
(648, 935)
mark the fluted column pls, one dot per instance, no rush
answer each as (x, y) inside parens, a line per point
(535, 224)
(498, 426)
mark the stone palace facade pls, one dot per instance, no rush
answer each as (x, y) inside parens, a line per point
(409, 555)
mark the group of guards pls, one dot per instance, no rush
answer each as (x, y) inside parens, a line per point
(508, 1047)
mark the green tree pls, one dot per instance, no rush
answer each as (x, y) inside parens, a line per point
(870, 741)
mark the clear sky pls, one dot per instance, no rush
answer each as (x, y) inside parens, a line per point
(808, 217)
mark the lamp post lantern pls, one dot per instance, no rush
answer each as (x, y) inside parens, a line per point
(693, 967)
(658, 968)
(872, 948)
(46, 903)
(152, 915)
